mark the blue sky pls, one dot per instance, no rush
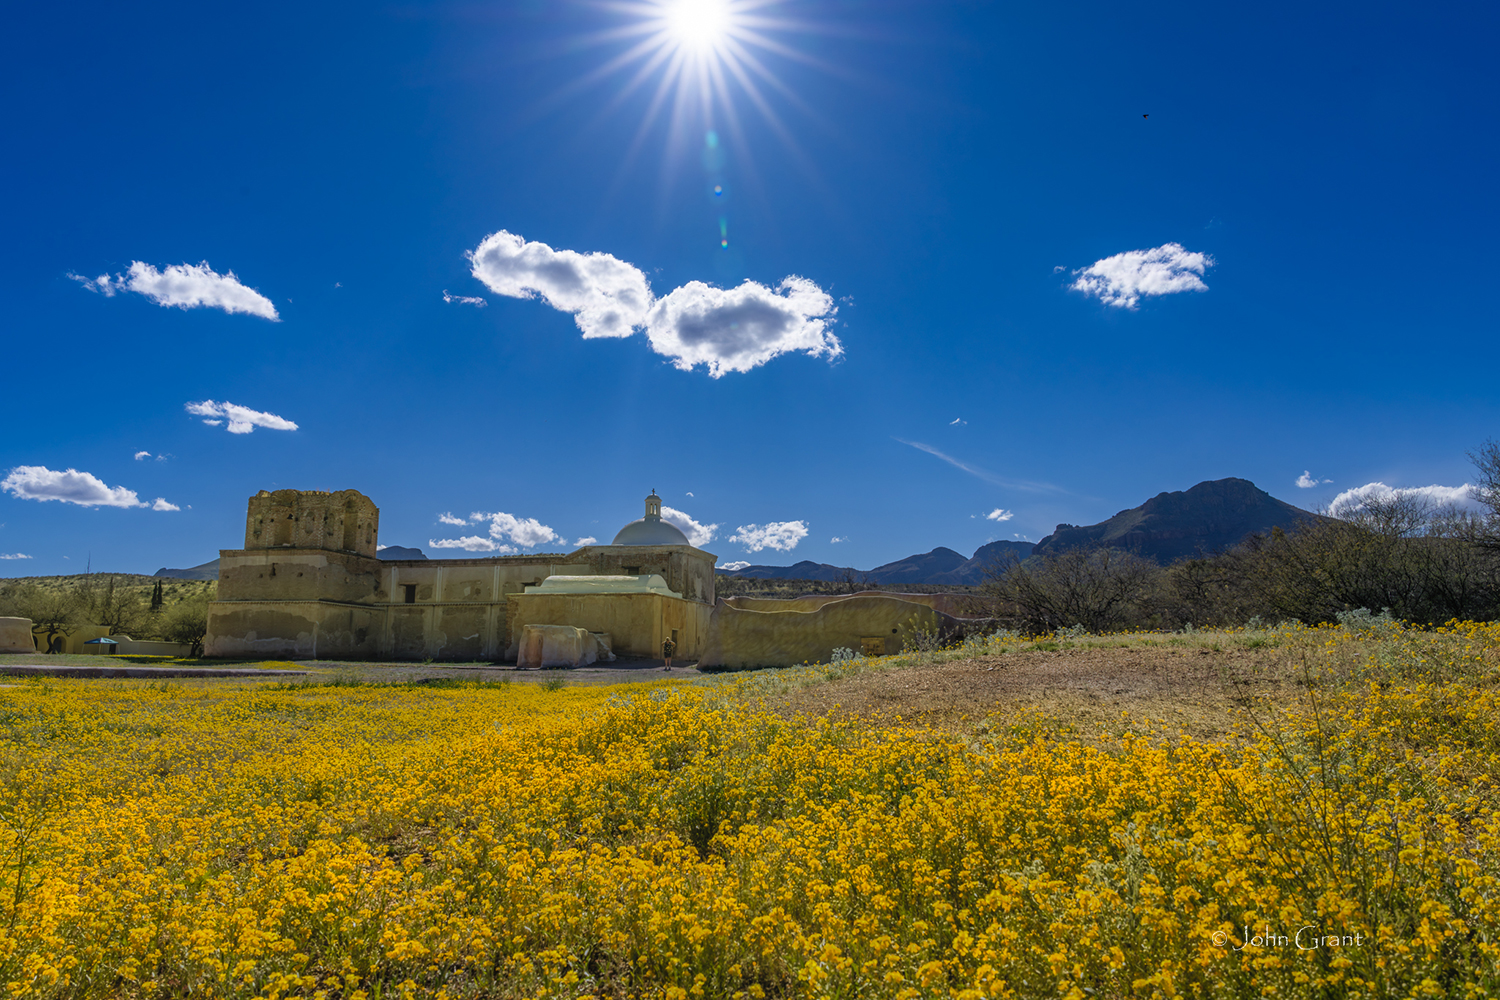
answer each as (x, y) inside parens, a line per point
(954, 183)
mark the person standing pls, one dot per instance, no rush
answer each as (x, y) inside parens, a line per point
(668, 647)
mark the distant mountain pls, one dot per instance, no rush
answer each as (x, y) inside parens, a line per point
(1208, 518)
(399, 552)
(208, 571)
(941, 566)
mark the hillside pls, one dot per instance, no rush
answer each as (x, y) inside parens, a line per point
(1208, 518)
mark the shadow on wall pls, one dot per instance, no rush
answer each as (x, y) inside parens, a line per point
(748, 632)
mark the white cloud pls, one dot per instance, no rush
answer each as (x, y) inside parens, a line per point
(1123, 279)
(782, 536)
(525, 532)
(471, 543)
(607, 297)
(465, 300)
(836, 539)
(737, 329)
(585, 540)
(448, 518)
(957, 422)
(999, 515)
(690, 492)
(14, 555)
(37, 482)
(161, 504)
(142, 454)
(1350, 501)
(698, 535)
(185, 286)
(1307, 480)
(736, 566)
(242, 419)
(725, 330)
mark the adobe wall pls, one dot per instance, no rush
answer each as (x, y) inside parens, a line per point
(689, 572)
(297, 574)
(637, 623)
(739, 638)
(293, 630)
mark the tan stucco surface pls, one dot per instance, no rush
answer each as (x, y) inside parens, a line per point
(741, 637)
(15, 636)
(556, 646)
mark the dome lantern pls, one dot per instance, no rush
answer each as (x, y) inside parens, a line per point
(651, 529)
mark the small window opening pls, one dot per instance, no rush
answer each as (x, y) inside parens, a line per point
(411, 593)
(632, 571)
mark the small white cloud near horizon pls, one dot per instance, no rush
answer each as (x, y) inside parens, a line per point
(999, 515)
(735, 566)
(1351, 500)
(471, 543)
(1123, 279)
(14, 555)
(1307, 480)
(837, 538)
(585, 540)
(448, 518)
(725, 330)
(161, 504)
(242, 419)
(698, 535)
(186, 286)
(465, 300)
(526, 532)
(37, 482)
(782, 536)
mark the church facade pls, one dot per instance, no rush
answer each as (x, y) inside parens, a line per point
(308, 584)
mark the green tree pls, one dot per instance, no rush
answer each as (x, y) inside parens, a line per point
(56, 611)
(187, 622)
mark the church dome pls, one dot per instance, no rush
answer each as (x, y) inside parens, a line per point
(651, 529)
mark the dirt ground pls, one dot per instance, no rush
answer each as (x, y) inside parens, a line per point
(1077, 692)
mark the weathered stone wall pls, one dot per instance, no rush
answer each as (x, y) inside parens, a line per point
(300, 575)
(740, 638)
(293, 629)
(346, 521)
(637, 622)
(15, 636)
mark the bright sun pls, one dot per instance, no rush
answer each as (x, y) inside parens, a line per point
(699, 24)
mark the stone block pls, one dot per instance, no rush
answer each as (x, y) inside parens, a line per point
(556, 646)
(15, 636)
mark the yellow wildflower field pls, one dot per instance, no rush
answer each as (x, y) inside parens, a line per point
(189, 839)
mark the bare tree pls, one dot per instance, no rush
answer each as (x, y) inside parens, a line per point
(1103, 589)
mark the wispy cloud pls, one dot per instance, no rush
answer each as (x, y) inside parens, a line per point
(1307, 480)
(471, 543)
(162, 504)
(978, 473)
(585, 540)
(14, 555)
(782, 536)
(837, 538)
(733, 567)
(186, 286)
(450, 519)
(142, 454)
(698, 535)
(957, 422)
(37, 482)
(242, 419)
(724, 330)
(465, 300)
(1350, 501)
(999, 515)
(1122, 280)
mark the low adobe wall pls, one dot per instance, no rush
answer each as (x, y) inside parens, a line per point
(797, 631)
(15, 636)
